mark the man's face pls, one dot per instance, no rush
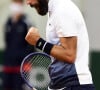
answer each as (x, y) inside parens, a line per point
(40, 5)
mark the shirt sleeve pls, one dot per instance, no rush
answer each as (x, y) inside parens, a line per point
(66, 24)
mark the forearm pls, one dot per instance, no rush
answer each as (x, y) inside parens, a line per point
(63, 54)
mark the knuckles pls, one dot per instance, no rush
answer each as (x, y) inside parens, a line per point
(32, 36)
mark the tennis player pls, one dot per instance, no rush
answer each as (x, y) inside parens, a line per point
(66, 41)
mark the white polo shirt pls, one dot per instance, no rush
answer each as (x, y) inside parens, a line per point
(66, 20)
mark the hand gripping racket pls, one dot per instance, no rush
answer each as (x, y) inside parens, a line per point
(34, 70)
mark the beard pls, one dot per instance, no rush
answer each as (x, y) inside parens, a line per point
(41, 7)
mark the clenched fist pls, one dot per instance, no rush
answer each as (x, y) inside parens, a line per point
(32, 36)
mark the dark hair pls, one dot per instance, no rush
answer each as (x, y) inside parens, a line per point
(43, 7)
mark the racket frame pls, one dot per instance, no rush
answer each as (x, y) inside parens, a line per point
(21, 71)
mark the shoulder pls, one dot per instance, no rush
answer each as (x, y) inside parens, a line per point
(8, 24)
(66, 7)
(67, 10)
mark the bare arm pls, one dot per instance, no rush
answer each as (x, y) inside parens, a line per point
(67, 50)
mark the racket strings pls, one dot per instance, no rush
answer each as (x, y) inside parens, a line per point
(32, 62)
(26, 65)
(27, 75)
(42, 60)
(29, 62)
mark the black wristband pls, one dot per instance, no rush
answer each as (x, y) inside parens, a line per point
(44, 46)
(48, 47)
(40, 43)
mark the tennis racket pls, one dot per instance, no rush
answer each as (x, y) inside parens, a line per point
(34, 70)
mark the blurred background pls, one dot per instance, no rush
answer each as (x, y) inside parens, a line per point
(91, 13)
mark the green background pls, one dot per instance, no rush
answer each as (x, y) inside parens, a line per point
(95, 68)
